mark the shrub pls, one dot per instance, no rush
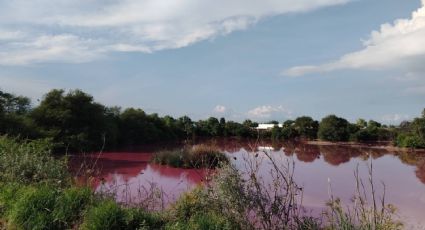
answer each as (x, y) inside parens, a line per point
(105, 215)
(45, 207)
(30, 162)
(203, 221)
(199, 156)
(333, 128)
(409, 141)
(70, 206)
(190, 203)
(34, 208)
(195, 210)
(173, 158)
(137, 218)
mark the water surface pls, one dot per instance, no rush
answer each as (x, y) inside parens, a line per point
(317, 168)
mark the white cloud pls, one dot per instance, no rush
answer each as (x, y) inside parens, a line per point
(420, 90)
(47, 48)
(394, 118)
(268, 111)
(80, 30)
(10, 34)
(219, 109)
(395, 46)
(26, 86)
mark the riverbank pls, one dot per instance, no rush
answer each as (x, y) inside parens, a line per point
(384, 145)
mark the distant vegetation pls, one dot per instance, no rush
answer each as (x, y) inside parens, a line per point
(74, 121)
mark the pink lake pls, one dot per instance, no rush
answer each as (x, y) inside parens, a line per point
(130, 175)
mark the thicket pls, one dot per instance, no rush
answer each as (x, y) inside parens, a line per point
(74, 121)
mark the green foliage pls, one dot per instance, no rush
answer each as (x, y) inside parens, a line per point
(14, 119)
(333, 128)
(137, 127)
(372, 131)
(70, 205)
(45, 207)
(203, 221)
(30, 162)
(409, 141)
(73, 120)
(200, 156)
(194, 211)
(412, 134)
(306, 127)
(107, 214)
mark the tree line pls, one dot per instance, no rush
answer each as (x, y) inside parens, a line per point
(75, 121)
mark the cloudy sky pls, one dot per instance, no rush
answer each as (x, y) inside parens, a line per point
(257, 59)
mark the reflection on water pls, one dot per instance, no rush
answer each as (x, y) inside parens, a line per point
(130, 175)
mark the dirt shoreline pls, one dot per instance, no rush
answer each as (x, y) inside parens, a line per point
(375, 145)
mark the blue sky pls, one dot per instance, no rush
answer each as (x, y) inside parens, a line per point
(239, 59)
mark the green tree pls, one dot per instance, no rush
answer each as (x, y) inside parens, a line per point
(361, 123)
(73, 120)
(186, 126)
(333, 128)
(306, 127)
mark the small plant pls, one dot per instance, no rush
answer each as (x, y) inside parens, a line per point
(367, 211)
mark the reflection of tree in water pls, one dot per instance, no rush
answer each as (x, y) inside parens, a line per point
(410, 157)
(307, 153)
(289, 148)
(420, 171)
(375, 152)
(233, 145)
(336, 155)
(415, 159)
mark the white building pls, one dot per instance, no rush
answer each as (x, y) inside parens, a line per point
(267, 126)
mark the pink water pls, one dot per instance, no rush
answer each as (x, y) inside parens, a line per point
(130, 175)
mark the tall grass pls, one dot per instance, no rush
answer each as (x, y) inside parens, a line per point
(107, 214)
(30, 162)
(368, 211)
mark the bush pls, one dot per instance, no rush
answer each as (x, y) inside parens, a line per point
(30, 162)
(137, 218)
(333, 128)
(70, 205)
(203, 221)
(33, 209)
(107, 214)
(44, 207)
(199, 156)
(194, 210)
(410, 141)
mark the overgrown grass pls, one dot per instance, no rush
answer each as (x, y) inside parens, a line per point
(107, 214)
(31, 162)
(198, 156)
(43, 206)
